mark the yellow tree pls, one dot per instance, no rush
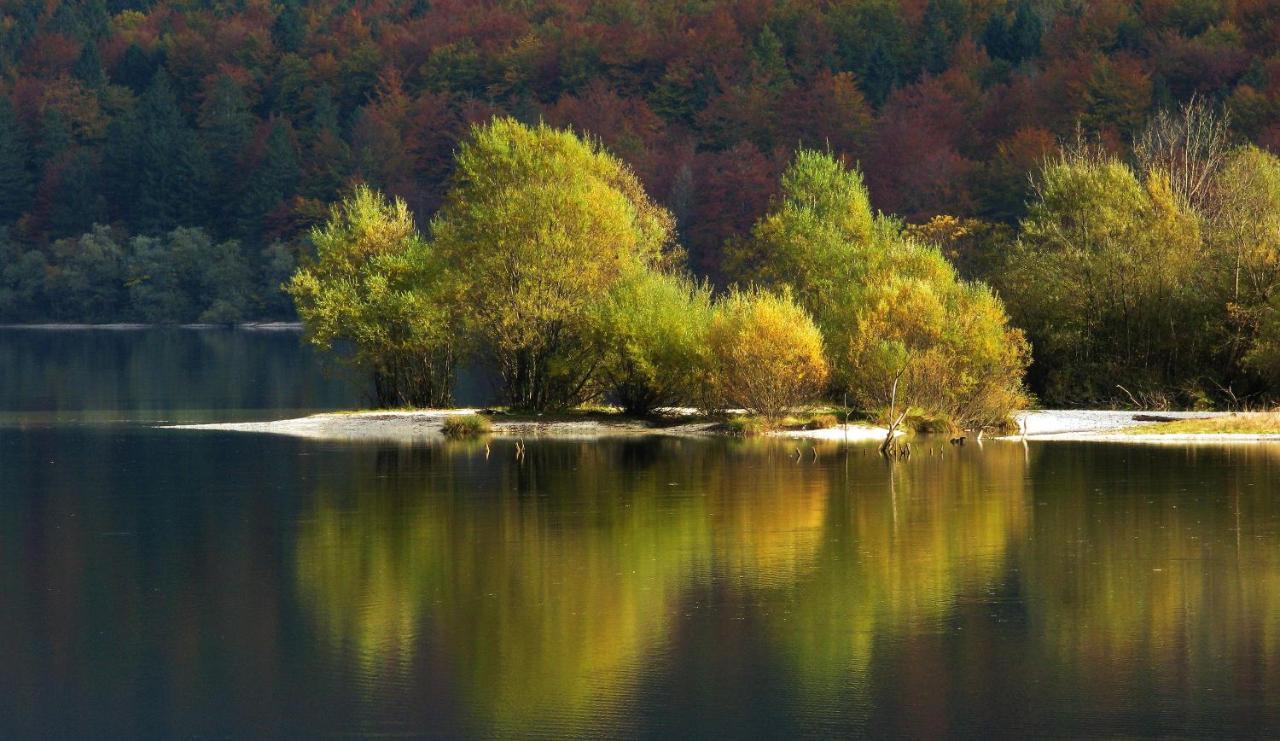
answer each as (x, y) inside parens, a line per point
(537, 228)
(371, 290)
(768, 353)
(899, 325)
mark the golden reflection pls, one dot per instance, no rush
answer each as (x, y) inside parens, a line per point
(903, 543)
(1151, 570)
(549, 589)
(768, 512)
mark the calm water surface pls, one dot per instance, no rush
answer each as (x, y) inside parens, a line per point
(158, 583)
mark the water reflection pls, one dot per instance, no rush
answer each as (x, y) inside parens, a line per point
(1162, 582)
(540, 583)
(192, 585)
(552, 588)
(162, 374)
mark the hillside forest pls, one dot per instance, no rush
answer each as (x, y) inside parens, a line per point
(1103, 171)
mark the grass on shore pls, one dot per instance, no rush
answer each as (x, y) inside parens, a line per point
(741, 425)
(1242, 423)
(746, 425)
(466, 425)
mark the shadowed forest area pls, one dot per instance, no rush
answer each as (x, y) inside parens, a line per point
(1105, 168)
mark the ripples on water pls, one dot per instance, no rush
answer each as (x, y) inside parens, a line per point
(164, 583)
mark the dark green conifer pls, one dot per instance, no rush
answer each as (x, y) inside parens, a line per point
(15, 179)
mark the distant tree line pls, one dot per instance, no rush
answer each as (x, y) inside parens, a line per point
(134, 135)
(181, 276)
(245, 119)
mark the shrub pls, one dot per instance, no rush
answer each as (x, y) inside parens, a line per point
(466, 425)
(745, 426)
(822, 422)
(655, 328)
(918, 337)
(890, 309)
(767, 353)
(929, 424)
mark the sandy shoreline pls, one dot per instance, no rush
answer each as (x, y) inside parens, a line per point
(1072, 425)
(425, 425)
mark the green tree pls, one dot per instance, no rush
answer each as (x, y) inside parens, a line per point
(899, 324)
(226, 126)
(55, 138)
(278, 265)
(654, 328)
(88, 283)
(769, 60)
(811, 239)
(88, 69)
(170, 168)
(187, 276)
(78, 204)
(275, 177)
(155, 282)
(1025, 32)
(1263, 357)
(373, 289)
(1244, 239)
(289, 30)
(880, 75)
(136, 69)
(1108, 280)
(21, 280)
(941, 26)
(538, 227)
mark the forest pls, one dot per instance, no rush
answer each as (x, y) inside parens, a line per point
(1105, 168)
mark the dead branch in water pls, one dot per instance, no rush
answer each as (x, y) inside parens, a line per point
(887, 445)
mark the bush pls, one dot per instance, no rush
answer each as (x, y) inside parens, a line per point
(655, 328)
(822, 422)
(945, 342)
(466, 425)
(744, 426)
(928, 424)
(890, 309)
(767, 353)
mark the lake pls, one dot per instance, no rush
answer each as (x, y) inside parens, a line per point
(161, 583)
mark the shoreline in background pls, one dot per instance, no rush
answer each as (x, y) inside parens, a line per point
(133, 326)
(425, 425)
(418, 425)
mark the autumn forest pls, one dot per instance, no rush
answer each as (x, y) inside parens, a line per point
(168, 160)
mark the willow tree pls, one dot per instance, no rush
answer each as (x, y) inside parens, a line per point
(654, 328)
(1109, 278)
(1244, 239)
(537, 228)
(900, 326)
(372, 290)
